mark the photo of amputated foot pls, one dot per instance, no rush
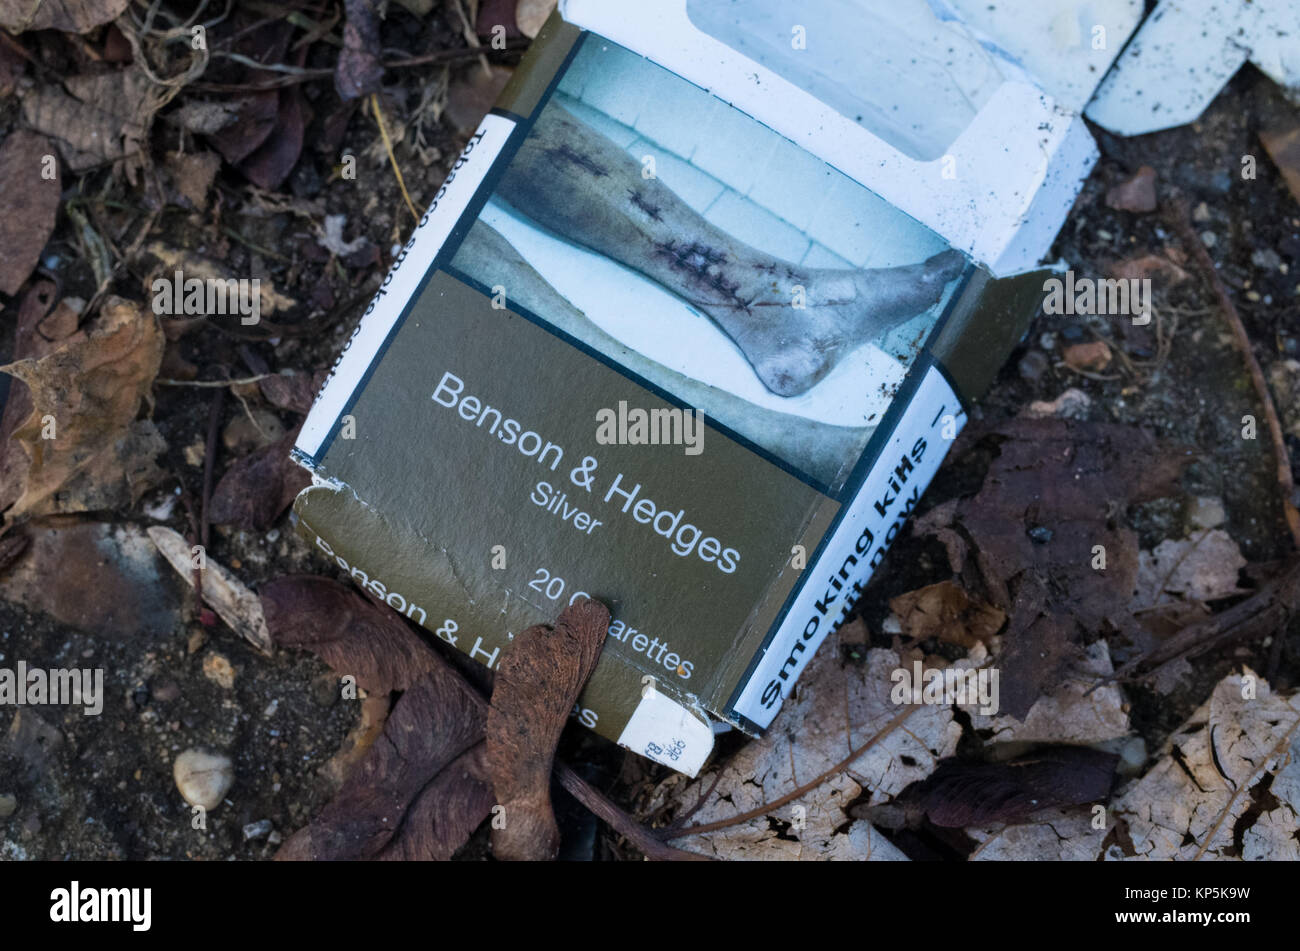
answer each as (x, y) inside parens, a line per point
(792, 323)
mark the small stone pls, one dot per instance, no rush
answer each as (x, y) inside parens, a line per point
(8, 805)
(274, 838)
(1136, 193)
(1266, 258)
(217, 669)
(1207, 512)
(1032, 365)
(194, 453)
(1040, 534)
(1209, 239)
(1201, 212)
(258, 830)
(203, 778)
(1093, 356)
(167, 692)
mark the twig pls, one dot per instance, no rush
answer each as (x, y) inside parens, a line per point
(388, 144)
(643, 838)
(209, 461)
(167, 381)
(1284, 478)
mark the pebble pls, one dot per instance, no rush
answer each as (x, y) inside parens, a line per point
(8, 805)
(1266, 258)
(1094, 355)
(1209, 239)
(217, 669)
(258, 830)
(203, 778)
(1136, 193)
(1201, 212)
(245, 433)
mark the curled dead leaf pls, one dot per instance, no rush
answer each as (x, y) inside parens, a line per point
(537, 683)
(86, 449)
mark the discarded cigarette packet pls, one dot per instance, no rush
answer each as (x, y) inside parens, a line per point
(681, 336)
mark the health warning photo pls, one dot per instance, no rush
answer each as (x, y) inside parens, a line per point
(714, 259)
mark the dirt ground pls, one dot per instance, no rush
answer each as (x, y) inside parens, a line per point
(101, 787)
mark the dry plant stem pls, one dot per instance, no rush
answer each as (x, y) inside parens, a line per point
(768, 807)
(1236, 793)
(620, 821)
(383, 131)
(1284, 478)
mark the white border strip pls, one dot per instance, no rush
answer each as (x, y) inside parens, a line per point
(875, 517)
(401, 282)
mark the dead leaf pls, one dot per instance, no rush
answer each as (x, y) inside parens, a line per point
(836, 708)
(256, 489)
(420, 791)
(359, 72)
(101, 118)
(1072, 712)
(70, 16)
(1227, 783)
(42, 328)
(536, 686)
(30, 201)
(1047, 503)
(272, 161)
(345, 630)
(970, 792)
(193, 174)
(222, 591)
(1203, 567)
(88, 394)
(944, 610)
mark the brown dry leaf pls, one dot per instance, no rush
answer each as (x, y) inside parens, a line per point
(442, 802)
(1203, 567)
(70, 16)
(193, 174)
(346, 631)
(946, 611)
(835, 709)
(257, 489)
(171, 260)
(537, 684)
(421, 790)
(1228, 782)
(1048, 500)
(42, 328)
(91, 390)
(101, 118)
(1056, 835)
(30, 201)
(272, 161)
